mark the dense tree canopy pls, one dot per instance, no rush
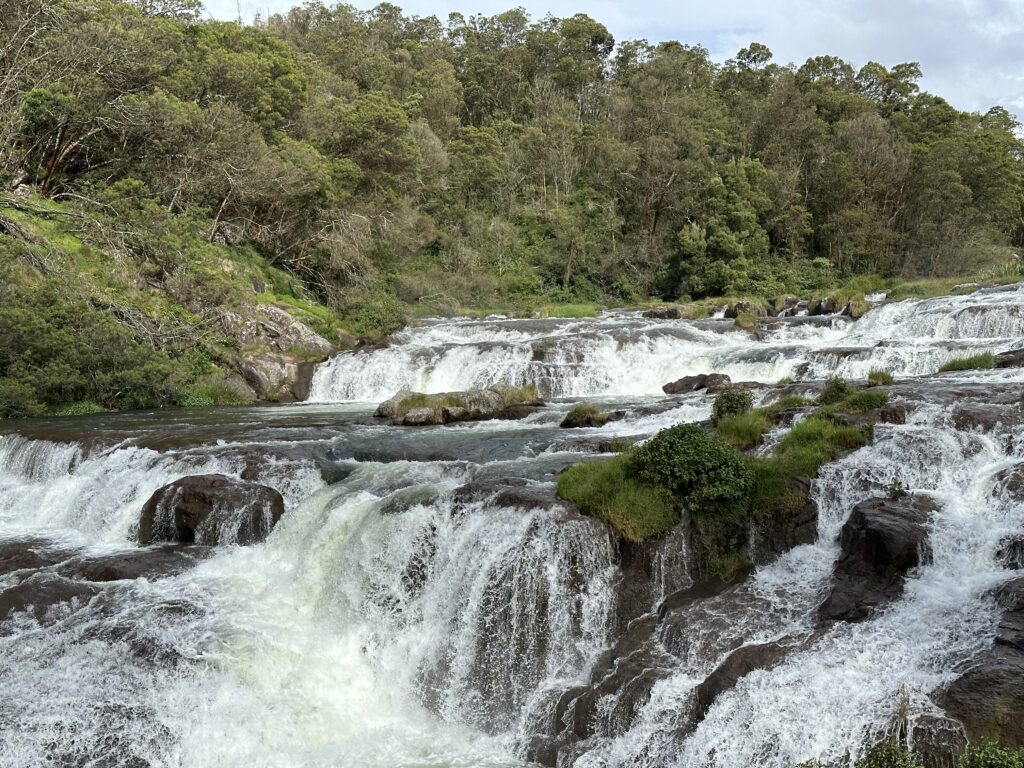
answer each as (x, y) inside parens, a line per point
(482, 158)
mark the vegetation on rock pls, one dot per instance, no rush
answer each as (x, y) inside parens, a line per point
(969, 362)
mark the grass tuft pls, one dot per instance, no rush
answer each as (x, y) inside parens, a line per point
(743, 430)
(879, 376)
(836, 389)
(969, 363)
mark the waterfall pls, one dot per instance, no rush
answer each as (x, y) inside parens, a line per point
(427, 600)
(623, 354)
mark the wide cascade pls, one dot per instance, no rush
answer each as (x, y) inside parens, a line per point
(425, 598)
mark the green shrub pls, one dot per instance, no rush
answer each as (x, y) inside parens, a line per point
(988, 754)
(81, 408)
(731, 402)
(835, 389)
(209, 395)
(879, 376)
(704, 472)
(607, 490)
(885, 754)
(743, 430)
(969, 363)
(377, 313)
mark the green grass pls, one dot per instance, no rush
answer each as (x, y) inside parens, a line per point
(569, 310)
(815, 441)
(835, 389)
(857, 402)
(787, 403)
(785, 381)
(518, 395)
(436, 402)
(743, 430)
(879, 376)
(969, 363)
(605, 489)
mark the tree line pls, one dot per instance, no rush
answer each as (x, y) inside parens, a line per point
(489, 159)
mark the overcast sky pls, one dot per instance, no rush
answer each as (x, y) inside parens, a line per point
(971, 51)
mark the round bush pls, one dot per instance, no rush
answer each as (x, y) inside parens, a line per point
(731, 402)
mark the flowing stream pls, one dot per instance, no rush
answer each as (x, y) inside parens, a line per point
(425, 593)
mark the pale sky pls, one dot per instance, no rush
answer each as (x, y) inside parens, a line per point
(971, 51)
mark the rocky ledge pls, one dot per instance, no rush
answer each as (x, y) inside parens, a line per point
(416, 409)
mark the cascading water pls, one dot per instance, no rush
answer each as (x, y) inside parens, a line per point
(425, 597)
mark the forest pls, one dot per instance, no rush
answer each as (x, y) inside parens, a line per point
(385, 165)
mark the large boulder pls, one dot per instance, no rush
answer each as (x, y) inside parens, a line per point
(277, 376)
(745, 308)
(709, 381)
(210, 509)
(415, 409)
(989, 697)
(664, 313)
(883, 539)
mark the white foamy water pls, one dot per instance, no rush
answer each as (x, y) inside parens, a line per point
(398, 617)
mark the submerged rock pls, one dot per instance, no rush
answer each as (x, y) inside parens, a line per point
(210, 509)
(1011, 359)
(882, 540)
(42, 593)
(989, 698)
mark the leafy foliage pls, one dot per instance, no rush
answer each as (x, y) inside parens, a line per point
(731, 402)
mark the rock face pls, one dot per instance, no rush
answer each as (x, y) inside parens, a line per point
(1012, 359)
(280, 352)
(663, 313)
(989, 698)
(882, 540)
(583, 418)
(709, 381)
(414, 409)
(210, 509)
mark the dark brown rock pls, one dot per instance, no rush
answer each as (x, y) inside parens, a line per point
(664, 313)
(585, 418)
(793, 523)
(1012, 359)
(938, 741)
(882, 540)
(737, 664)
(210, 509)
(989, 697)
(694, 383)
(148, 563)
(41, 593)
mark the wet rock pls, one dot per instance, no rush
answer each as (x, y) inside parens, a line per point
(287, 333)
(882, 540)
(781, 304)
(737, 664)
(744, 308)
(1009, 484)
(793, 524)
(278, 377)
(148, 563)
(389, 408)
(828, 305)
(989, 697)
(29, 554)
(938, 741)
(42, 593)
(422, 417)
(986, 417)
(210, 509)
(664, 313)
(855, 309)
(694, 383)
(452, 407)
(581, 418)
(1012, 359)
(1011, 552)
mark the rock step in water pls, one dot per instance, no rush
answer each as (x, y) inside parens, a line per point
(416, 409)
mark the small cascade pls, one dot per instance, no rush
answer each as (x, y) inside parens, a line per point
(625, 355)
